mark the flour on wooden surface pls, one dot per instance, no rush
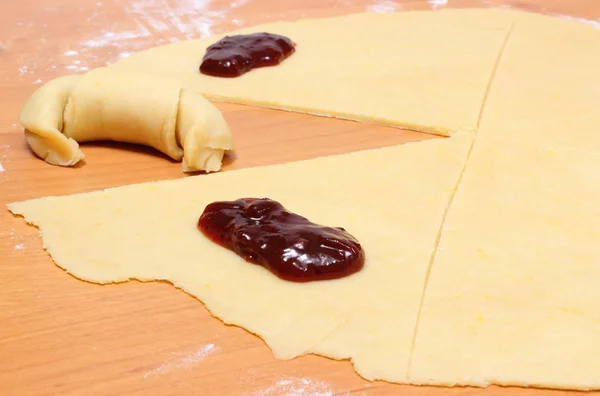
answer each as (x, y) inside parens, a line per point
(382, 6)
(592, 22)
(190, 18)
(295, 386)
(185, 362)
(148, 23)
(435, 4)
(3, 149)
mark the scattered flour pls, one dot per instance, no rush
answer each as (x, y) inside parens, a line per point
(20, 240)
(3, 149)
(146, 23)
(153, 20)
(295, 386)
(108, 38)
(383, 6)
(437, 3)
(595, 23)
(186, 18)
(185, 362)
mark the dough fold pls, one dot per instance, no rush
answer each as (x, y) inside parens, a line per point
(130, 107)
(42, 118)
(204, 139)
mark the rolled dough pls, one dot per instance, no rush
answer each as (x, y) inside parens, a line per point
(124, 106)
(419, 70)
(148, 231)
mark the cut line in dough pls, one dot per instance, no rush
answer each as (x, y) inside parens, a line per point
(513, 296)
(451, 200)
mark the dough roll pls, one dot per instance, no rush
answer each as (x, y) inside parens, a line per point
(130, 107)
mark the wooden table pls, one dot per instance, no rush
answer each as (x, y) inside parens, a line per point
(62, 336)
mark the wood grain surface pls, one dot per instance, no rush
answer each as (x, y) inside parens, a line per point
(61, 336)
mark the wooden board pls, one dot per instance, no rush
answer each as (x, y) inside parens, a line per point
(61, 336)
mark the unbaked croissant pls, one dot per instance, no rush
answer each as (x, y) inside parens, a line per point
(125, 106)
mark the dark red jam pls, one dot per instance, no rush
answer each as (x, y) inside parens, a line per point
(263, 232)
(233, 56)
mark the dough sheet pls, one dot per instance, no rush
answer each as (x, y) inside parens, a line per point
(148, 231)
(482, 255)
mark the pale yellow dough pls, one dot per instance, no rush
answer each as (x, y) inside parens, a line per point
(132, 107)
(496, 284)
(42, 118)
(419, 70)
(148, 231)
(513, 296)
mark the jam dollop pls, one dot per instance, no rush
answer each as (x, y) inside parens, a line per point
(263, 232)
(233, 56)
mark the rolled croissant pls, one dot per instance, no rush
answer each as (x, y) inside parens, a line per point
(125, 106)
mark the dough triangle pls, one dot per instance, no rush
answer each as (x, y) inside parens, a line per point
(427, 71)
(513, 296)
(391, 199)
